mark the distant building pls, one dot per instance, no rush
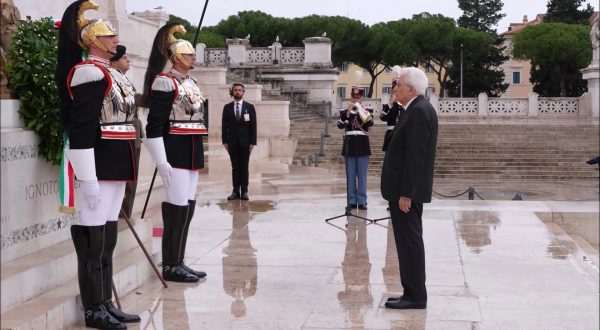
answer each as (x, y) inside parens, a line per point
(517, 72)
(383, 83)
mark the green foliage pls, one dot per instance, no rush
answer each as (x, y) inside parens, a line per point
(432, 37)
(557, 52)
(263, 28)
(31, 75)
(423, 39)
(480, 15)
(567, 11)
(482, 57)
(207, 36)
(211, 39)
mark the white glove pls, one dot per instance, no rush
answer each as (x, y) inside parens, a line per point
(91, 193)
(156, 148)
(165, 170)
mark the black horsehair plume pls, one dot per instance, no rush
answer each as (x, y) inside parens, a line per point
(157, 61)
(69, 53)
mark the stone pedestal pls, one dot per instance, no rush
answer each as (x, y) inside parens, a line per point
(200, 50)
(592, 75)
(30, 220)
(317, 52)
(533, 101)
(236, 50)
(276, 52)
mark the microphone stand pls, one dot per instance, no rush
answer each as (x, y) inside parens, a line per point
(347, 209)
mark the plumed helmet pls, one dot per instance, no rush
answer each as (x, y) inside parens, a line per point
(179, 47)
(90, 30)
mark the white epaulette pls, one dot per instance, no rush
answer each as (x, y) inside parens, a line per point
(85, 73)
(163, 84)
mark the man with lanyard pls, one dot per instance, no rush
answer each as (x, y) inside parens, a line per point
(238, 134)
(356, 120)
(100, 131)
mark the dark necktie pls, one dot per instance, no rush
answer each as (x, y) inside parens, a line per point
(237, 110)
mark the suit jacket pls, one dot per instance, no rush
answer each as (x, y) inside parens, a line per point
(410, 156)
(238, 132)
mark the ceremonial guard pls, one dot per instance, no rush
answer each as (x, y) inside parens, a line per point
(390, 113)
(356, 121)
(174, 140)
(119, 65)
(98, 151)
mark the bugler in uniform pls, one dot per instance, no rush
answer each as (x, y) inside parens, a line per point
(356, 121)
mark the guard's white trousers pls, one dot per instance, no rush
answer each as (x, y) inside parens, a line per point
(111, 198)
(182, 188)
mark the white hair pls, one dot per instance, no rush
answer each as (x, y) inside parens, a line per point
(416, 78)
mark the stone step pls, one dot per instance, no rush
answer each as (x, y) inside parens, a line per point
(60, 306)
(31, 275)
(465, 150)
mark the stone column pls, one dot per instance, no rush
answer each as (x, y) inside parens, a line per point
(317, 52)
(592, 75)
(236, 51)
(592, 72)
(200, 54)
(532, 104)
(276, 51)
(435, 102)
(483, 104)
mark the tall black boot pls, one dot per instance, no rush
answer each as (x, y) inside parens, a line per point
(89, 245)
(174, 218)
(110, 242)
(190, 215)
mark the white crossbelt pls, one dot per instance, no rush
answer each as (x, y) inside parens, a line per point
(356, 133)
(390, 128)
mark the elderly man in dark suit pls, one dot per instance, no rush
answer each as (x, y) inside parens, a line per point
(407, 183)
(239, 137)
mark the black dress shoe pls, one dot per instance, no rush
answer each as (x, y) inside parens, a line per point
(393, 299)
(97, 317)
(178, 274)
(245, 197)
(198, 273)
(119, 314)
(352, 206)
(362, 207)
(405, 304)
(233, 196)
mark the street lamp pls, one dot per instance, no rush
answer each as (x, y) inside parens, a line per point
(461, 71)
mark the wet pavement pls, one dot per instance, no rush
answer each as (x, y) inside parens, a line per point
(274, 263)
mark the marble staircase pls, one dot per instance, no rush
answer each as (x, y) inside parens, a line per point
(477, 151)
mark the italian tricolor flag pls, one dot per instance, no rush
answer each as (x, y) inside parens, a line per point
(67, 193)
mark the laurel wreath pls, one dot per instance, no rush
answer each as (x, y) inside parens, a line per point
(32, 62)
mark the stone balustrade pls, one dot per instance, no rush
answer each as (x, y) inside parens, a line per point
(499, 106)
(239, 53)
(534, 105)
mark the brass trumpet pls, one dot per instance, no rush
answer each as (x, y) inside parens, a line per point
(364, 114)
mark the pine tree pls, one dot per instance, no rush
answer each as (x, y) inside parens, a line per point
(482, 50)
(567, 11)
(480, 15)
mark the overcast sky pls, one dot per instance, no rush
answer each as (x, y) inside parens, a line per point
(367, 11)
